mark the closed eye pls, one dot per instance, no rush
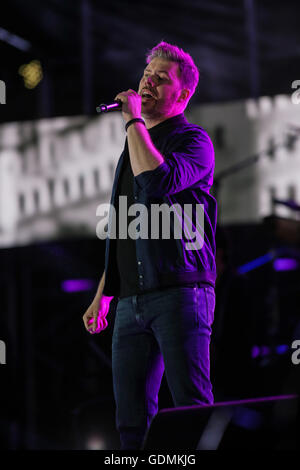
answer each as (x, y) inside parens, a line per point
(156, 76)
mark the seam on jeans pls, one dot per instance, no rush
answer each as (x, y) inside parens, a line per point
(197, 306)
(206, 301)
(146, 387)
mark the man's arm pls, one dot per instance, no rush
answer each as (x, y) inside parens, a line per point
(101, 285)
(143, 155)
(190, 162)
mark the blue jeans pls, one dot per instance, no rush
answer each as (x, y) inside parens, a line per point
(168, 329)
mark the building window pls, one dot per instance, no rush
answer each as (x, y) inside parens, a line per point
(36, 200)
(22, 204)
(66, 188)
(51, 190)
(272, 197)
(292, 195)
(219, 139)
(112, 170)
(271, 148)
(52, 152)
(81, 185)
(96, 178)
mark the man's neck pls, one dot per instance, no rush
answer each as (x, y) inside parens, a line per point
(151, 122)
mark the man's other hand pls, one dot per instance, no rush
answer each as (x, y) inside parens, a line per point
(94, 318)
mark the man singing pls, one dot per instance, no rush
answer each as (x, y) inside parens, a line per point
(164, 286)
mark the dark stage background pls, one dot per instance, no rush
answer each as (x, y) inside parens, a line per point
(56, 385)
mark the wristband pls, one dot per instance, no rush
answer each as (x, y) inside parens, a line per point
(132, 121)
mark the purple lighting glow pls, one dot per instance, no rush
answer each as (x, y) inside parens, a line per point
(255, 352)
(282, 348)
(77, 285)
(263, 351)
(255, 263)
(285, 264)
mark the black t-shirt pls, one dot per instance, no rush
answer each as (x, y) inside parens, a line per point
(126, 253)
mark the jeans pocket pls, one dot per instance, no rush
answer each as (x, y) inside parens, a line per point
(205, 306)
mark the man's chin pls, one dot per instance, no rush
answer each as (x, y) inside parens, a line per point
(148, 111)
(147, 105)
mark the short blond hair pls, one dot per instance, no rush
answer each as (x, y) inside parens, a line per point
(189, 73)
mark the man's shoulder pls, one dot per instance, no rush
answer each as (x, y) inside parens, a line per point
(191, 126)
(188, 130)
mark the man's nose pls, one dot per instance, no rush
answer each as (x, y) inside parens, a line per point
(150, 80)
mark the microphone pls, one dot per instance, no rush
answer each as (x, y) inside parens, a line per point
(113, 106)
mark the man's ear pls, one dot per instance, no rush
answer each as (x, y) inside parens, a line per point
(184, 95)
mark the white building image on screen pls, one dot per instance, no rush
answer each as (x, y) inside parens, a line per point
(55, 172)
(246, 128)
(53, 175)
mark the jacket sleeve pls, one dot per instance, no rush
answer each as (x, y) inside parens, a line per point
(191, 162)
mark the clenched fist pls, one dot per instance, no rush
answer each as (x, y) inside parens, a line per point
(94, 318)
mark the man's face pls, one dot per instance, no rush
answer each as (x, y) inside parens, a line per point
(160, 88)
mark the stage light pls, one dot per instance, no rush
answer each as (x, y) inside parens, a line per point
(255, 352)
(279, 264)
(77, 285)
(256, 263)
(95, 443)
(264, 351)
(32, 73)
(285, 264)
(247, 418)
(282, 349)
(14, 40)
